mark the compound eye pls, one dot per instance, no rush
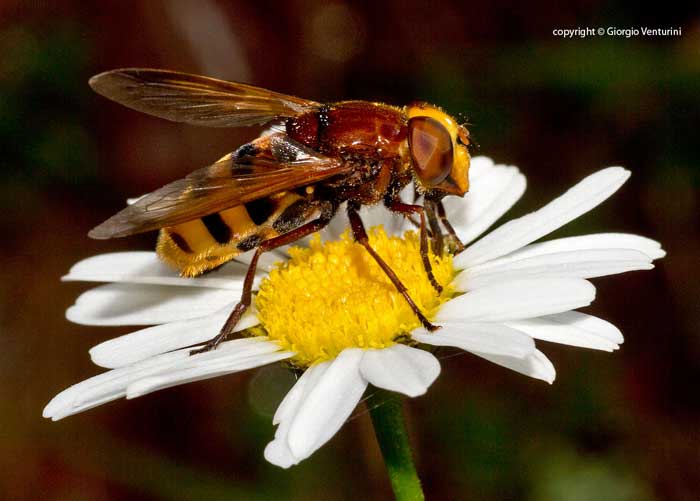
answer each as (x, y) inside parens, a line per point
(430, 144)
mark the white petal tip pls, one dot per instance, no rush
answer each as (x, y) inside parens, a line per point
(590, 291)
(618, 171)
(55, 414)
(56, 408)
(618, 175)
(71, 316)
(99, 358)
(279, 455)
(548, 375)
(546, 371)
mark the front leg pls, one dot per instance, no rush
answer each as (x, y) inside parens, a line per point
(358, 230)
(454, 243)
(396, 205)
(436, 240)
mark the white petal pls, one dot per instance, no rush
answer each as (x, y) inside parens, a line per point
(517, 299)
(199, 372)
(400, 368)
(328, 404)
(491, 193)
(112, 384)
(580, 264)
(277, 451)
(535, 365)
(145, 343)
(573, 328)
(478, 166)
(290, 403)
(132, 304)
(514, 234)
(408, 193)
(226, 356)
(379, 215)
(627, 241)
(491, 338)
(146, 268)
(371, 215)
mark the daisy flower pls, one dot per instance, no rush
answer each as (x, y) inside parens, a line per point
(326, 309)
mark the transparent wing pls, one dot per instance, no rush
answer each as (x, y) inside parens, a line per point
(196, 100)
(217, 187)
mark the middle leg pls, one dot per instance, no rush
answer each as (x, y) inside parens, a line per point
(399, 207)
(358, 230)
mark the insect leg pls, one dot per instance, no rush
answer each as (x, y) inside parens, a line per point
(327, 212)
(358, 230)
(238, 311)
(408, 209)
(454, 242)
(435, 231)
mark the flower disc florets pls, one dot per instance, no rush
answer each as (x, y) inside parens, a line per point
(333, 295)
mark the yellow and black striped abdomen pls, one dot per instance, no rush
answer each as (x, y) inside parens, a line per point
(206, 243)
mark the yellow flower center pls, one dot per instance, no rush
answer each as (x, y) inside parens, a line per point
(333, 295)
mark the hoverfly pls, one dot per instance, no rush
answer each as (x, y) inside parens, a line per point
(288, 184)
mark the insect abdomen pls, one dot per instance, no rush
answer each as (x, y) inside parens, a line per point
(206, 243)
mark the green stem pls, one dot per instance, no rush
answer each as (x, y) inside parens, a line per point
(390, 429)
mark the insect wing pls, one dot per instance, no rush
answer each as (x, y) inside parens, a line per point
(214, 188)
(197, 100)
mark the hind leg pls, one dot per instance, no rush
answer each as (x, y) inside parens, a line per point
(267, 245)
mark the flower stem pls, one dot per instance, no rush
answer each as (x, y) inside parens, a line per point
(390, 429)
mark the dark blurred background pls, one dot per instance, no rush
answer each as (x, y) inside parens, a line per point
(622, 426)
